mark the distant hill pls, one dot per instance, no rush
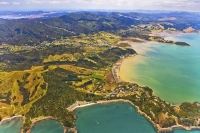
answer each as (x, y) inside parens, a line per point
(35, 31)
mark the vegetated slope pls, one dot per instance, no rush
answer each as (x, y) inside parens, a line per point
(35, 31)
(76, 68)
(63, 74)
(19, 90)
(71, 68)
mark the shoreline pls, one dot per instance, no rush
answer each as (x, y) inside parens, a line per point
(7, 120)
(116, 74)
(81, 104)
(163, 33)
(116, 68)
(141, 48)
(36, 120)
(157, 126)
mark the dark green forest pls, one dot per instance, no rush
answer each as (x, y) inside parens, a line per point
(35, 31)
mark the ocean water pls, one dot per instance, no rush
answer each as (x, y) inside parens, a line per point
(184, 131)
(106, 118)
(48, 126)
(111, 118)
(114, 118)
(173, 72)
(13, 126)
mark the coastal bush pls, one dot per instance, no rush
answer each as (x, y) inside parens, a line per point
(58, 98)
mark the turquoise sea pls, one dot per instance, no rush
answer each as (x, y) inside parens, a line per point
(173, 72)
(13, 126)
(48, 126)
(111, 118)
(184, 131)
(114, 118)
(106, 118)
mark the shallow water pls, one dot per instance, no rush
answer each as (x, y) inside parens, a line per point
(47, 126)
(172, 71)
(106, 118)
(184, 131)
(13, 126)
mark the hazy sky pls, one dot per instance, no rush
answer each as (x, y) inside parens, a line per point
(178, 5)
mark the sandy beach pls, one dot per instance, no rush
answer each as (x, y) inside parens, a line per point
(164, 33)
(7, 120)
(120, 67)
(116, 69)
(80, 104)
(141, 48)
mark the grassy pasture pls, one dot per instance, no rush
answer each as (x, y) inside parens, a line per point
(19, 89)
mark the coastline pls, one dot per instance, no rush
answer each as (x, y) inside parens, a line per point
(7, 120)
(164, 33)
(141, 48)
(116, 69)
(141, 52)
(81, 104)
(36, 120)
(116, 74)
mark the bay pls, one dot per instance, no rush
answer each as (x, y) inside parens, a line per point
(173, 72)
(47, 126)
(111, 118)
(12, 126)
(185, 131)
(103, 118)
(115, 118)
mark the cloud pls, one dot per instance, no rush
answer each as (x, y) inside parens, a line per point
(57, 2)
(181, 5)
(48, 1)
(134, 3)
(16, 3)
(54, 2)
(34, 1)
(4, 3)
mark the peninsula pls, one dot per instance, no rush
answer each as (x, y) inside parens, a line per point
(160, 39)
